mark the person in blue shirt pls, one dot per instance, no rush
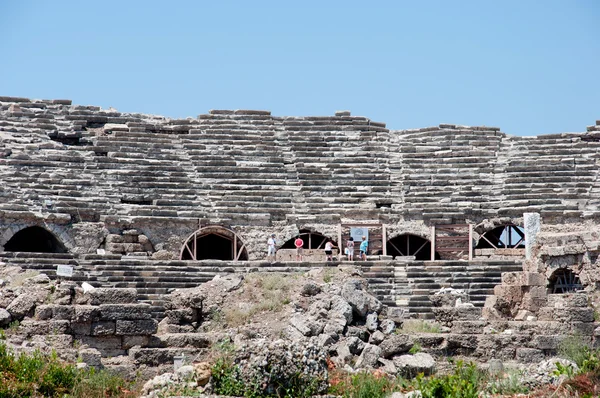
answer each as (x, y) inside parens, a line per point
(363, 248)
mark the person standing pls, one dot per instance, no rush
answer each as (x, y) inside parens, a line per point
(329, 250)
(364, 246)
(271, 242)
(350, 249)
(299, 243)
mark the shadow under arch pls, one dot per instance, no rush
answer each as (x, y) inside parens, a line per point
(312, 240)
(214, 242)
(35, 239)
(564, 280)
(508, 236)
(410, 245)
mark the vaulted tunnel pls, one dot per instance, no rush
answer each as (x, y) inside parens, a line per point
(34, 240)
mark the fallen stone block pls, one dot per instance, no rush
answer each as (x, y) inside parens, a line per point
(411, 365)
(396, 344)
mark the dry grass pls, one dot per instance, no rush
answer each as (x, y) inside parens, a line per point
(18, 279)
(262, 292)
(419, 326)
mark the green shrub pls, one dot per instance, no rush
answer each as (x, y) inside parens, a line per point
(416, 348)
(411, 326)
(37, 374)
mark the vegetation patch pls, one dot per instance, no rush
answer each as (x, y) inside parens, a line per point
(411, 326)
(40, 375)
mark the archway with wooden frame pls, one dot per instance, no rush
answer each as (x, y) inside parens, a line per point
(509, 236)
(410, 245)
(564, 280)
(312, 240)
(214, 242)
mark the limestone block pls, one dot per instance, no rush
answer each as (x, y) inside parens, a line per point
(160, 356)
(66, 312)
(5, 317)
(91, 356)
(86, 313)
(545, 342)
(107, 345)
(512, 278)
(567, 300)
(583, 328)
(371, 322)
(113, 238)
(43, 312)
(461, 344)
(357, 332)
(368, 357)
(512, 294)
(529, 355)
(182, 316)
(387, 326)
(115, 247)
(411, 365)
(132, 341)
(396, 344)
(112, 296)
(573, 314)
(81, 328)
(112, 312)
(32, 327)
(376, 338)
(197, 340)
(137, 327)
(104, 328)
(533, 279)
(533, 304)
(468, 327)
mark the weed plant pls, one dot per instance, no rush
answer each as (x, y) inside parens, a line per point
(40, 375)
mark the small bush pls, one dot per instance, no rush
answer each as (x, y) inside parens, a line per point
(415, 349)
(576, 349)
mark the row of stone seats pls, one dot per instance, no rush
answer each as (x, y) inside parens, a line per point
(477, 278)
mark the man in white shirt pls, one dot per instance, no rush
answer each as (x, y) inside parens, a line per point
(271, 242)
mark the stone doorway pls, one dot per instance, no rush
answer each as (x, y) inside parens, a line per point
(410, 245)
(214, 242)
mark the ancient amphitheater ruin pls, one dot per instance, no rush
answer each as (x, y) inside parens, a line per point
(140, 201)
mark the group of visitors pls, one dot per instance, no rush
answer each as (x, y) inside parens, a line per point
(329, 246)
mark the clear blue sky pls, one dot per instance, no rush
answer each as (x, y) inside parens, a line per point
(529, 67)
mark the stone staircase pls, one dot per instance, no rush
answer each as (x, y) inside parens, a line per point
(404, 284)
(420, 279)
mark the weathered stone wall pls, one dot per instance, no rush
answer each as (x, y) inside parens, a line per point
(80, 171)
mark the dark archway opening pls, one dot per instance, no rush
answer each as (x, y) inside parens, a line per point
(34, 240)
(503, 237)
(214, 243)
(410, 245)
(312, 240)
(563, 280)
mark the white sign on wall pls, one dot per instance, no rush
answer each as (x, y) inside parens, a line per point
(358, 232)
(64, 270)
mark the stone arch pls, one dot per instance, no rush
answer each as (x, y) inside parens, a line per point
(35, 239)
(564, 280)
(214, 242)
(312, 240)
(506, 236)
(410, 245)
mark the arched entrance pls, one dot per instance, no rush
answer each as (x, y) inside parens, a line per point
(410, 245)
(34, 240)
(563, 280)
(508, 236)
(214, 243)
(312, 240)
